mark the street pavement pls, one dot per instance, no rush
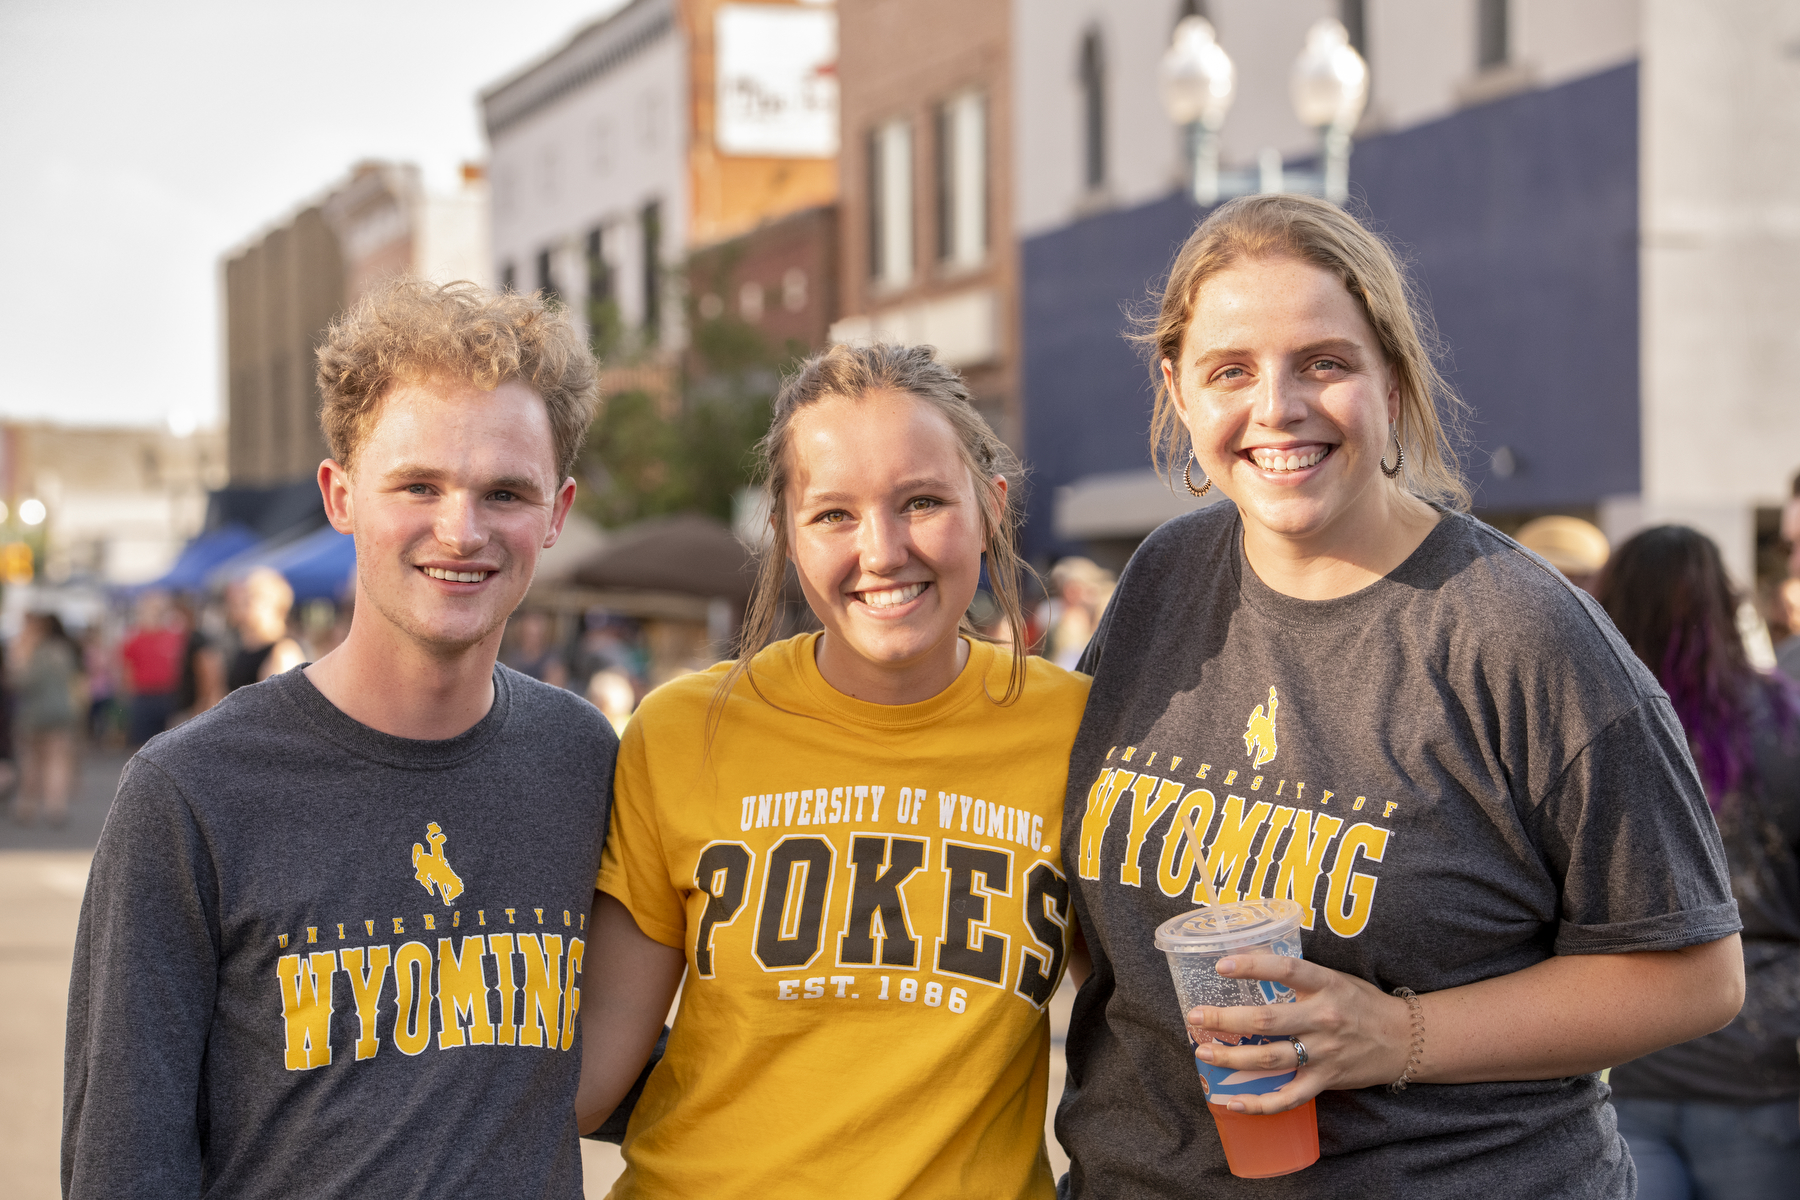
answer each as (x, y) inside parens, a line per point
(43, 873)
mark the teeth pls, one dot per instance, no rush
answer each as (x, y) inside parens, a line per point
(456, 576)
(891, 596)
(1273, 460)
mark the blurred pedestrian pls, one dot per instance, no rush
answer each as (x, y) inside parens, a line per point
(202, 669)
(101, 665)
(1787, 654)
(611, 692)
(534, 654)
(9, 769)
(1080, 589)
(265, 647)
(609, 643)
(152, 656)
(1573, 546)
(46, 678)
(1790, 527)
(1719, 1116)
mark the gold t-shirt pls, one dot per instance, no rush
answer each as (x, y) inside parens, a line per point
(874, 912)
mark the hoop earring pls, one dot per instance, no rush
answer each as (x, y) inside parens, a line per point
(1399, 455)
(1187, 477)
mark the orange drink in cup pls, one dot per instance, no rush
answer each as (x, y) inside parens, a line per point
(1256, 1147)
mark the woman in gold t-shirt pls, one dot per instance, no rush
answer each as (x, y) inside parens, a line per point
(848, 841)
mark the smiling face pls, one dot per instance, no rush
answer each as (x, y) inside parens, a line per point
(885, 532)
(453, 494)
(1283, 387)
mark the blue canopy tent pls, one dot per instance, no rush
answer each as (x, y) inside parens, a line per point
(318, 565)
(200, 556)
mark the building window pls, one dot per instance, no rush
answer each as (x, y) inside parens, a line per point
(1492, 34)
(1354, 15)
(509, 277)
(599, 274)
(962, 180)
(546, 278)
(793, 289)
(602, 304)
(650, 220)
(1093, 110)
(891, 204)
(750, 302)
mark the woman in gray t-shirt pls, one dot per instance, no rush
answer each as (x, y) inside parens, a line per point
(1377, 707)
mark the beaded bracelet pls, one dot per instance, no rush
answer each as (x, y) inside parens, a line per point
(1417, 1052)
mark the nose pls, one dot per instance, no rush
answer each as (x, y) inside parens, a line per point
(458, 526)
(883, 544)
(1280, 399)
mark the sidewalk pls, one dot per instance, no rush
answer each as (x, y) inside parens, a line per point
(43, 873)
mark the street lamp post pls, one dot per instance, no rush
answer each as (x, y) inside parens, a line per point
(1198, 83)
(1330, 88)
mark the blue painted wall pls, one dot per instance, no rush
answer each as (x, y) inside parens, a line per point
(1519, 219)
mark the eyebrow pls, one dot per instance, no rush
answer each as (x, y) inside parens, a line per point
(1331, 343)
(905, 485)
(508, 483)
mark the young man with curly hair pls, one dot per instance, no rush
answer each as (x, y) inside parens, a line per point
(333, 937)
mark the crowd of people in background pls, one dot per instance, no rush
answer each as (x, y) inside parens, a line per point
(162, 659)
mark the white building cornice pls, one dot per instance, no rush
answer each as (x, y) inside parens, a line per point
(591, 53)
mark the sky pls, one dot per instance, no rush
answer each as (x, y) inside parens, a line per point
(143, 142)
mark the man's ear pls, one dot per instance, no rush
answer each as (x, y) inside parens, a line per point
(559, 511)
(334, 488)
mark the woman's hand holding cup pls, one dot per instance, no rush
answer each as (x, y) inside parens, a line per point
(1356, 1036)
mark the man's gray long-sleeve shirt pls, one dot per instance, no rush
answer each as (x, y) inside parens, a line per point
(315, 959)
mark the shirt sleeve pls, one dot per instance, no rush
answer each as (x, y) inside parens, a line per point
(141, 995)
(1628, 830)
(633, 868)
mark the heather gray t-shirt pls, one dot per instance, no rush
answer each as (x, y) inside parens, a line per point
(315, 959)
(1458, 771)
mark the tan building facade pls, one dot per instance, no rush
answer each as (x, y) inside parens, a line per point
(780, 279)
(928, 252)
(117, 504)
(280, 293)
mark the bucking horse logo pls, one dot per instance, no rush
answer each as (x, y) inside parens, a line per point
(432, 869)
(1259, 734)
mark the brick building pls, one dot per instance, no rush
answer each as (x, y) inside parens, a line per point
(780, 279)
(928, 252)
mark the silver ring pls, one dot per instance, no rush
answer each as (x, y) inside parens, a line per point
(1299, 1052)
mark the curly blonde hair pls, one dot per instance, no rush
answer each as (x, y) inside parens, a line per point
(409, 329)
(1276, 226)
